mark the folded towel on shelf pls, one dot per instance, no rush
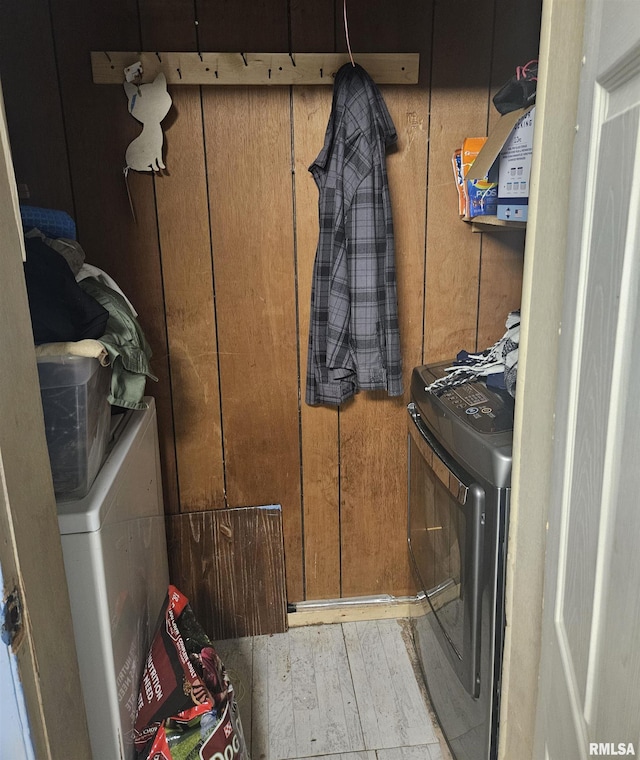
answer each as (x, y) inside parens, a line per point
(92, 349)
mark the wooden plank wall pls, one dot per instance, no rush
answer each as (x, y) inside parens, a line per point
(219, 257)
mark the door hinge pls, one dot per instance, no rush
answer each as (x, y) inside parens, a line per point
(11, 618)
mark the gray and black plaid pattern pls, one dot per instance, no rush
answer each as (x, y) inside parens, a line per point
(354, 337)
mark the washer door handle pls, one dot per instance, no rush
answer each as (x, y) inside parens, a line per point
(435, 457)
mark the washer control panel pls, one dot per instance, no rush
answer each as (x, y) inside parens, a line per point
(484, 409)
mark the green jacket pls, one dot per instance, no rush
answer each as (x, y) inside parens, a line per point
(124, 341)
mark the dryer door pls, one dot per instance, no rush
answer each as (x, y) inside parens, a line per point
(446, 524)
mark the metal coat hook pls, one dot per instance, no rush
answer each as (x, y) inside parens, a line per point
(196, 23)
(179, 73)
(321, 74)
(244, 59)
(108, 56)
(159, 58)
(293, 60)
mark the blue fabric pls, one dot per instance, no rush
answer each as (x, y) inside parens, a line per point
(53, 223)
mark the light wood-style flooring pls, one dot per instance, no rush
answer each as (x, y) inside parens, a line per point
(333, 692)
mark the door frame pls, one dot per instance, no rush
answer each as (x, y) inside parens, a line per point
(560, 59)
(30, 547)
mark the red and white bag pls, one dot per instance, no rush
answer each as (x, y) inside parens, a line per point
(186, 703)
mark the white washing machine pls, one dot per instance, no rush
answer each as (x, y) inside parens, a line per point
(115, 558)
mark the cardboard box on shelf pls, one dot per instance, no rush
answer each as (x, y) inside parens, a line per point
(508, 150)
(515, 171)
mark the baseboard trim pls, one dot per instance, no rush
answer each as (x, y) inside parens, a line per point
(357, 608)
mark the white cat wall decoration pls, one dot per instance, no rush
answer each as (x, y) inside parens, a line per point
(149, 104)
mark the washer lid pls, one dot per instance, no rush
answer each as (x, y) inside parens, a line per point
(88, 514)
(472, 422)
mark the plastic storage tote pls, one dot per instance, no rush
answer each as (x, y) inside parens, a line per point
(77, 419)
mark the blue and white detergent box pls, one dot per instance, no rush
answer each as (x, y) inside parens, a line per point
(482, 195)
(515, 171)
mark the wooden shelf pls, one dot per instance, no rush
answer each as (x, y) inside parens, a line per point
(493, 224)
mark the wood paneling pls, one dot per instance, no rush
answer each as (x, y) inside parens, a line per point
(373, 432)
(229, 563)
(36, 126)
(168, 25)
(320, 453)
(219, 258)
(248, 148)
(187, 273)
(515, 42)
(98, 130)
(516, 37)
(190, 309)
(459, 106)
(251, 212)
(243, 25)
(500, 283)
(312, 25)
(343, 463)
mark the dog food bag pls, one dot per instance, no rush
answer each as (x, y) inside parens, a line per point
(186, 704)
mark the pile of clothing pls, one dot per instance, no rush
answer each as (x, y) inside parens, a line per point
(496, 365)
(78, 309)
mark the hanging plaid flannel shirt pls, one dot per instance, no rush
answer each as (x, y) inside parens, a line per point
(354, 339)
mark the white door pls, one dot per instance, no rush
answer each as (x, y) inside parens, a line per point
(15, 736)
(589, 692)
(41, 657)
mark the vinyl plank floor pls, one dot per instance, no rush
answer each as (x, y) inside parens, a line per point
(279, 706)
(237, 656)
(422, 752)
(367, 755)
(383, 677)
(333, 692)
(329, 723)
(409, 698)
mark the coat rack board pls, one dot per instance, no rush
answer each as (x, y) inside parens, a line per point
(254, 68)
